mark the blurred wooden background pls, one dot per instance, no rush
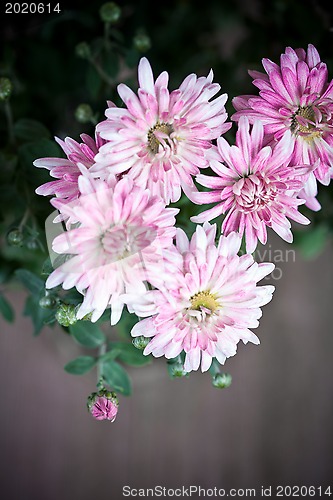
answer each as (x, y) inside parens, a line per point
(273, 426)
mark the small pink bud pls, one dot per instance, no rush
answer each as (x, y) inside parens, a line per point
(103, 405)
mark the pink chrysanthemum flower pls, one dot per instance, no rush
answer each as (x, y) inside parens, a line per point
(67, 171)
(115, 243)
(162, 138)
(208, 304)
(296, 97)
(256, 187)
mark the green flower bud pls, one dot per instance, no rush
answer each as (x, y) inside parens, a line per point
(66, 315)
(87, 317)
(47, 302)
(176, 370)
(84, 113)
(82, 50)
(15, 238)
(222, 380)
(32, 245)
(140, 342)
(142, 42)
(110, 12)
(5, 89)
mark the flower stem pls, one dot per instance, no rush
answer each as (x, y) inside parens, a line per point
(104, 76)
(24, 218)
(101, 352)
(9, 116)
(214, 368)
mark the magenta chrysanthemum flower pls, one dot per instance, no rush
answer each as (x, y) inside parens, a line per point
(208, 304)
(162, 138)
(67, 171)
(256, 187)
(296, 96)
(116, 241)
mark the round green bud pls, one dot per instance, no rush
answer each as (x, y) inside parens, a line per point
(87, 317)
(91, 399)
(140, 342)
(32, 245)
(82, 50)
(15, 238)
(142, 42)
(177, 370)
(66, 315)
(84, 113)
(222, 380)
(107, 394)
(5, 89)
(47, 302)
(110, 12)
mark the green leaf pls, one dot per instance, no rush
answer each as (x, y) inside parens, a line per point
(125, 325)
(72, 297)
(29, 130)
(31, 281)
(6, 309)
(47, 267)
(132, 58)
(87, 334)
(312, 241)
(116, 377)
(126, 353)
(29, 152)
(93, 81)
(80, 365)
(111, 64)
(40, 317)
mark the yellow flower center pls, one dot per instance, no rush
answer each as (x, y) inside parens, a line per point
(204, 299)
(153, 142)
(309, 129)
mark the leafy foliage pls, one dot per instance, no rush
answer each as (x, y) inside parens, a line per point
(126, 353)
(116, 377)
(80, 365)
(6, 309)
(87, 334)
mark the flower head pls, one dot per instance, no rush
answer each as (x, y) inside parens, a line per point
(256, 187)
(297, 97)
(161, 139)
(208, 304)
(116, 241)
(67, 171)
(103, 405)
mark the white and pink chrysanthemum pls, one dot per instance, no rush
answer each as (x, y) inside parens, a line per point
(66, 170)
(161, 139)
(116, 242)
(208, 305)
(256, 187)
(296, 96)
